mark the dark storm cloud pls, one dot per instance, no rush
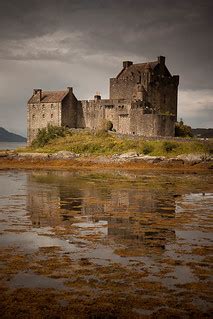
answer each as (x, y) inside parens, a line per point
(180, 30)
(70, 39)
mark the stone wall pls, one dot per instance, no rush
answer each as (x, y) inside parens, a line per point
(126, 118)
(151, 124)
(92, 114)
(69, 111)
(40, 115)
(162, 95)
(121, 88)
(159, 88)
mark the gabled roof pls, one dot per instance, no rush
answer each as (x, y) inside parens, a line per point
(49, 97)
(139, 67)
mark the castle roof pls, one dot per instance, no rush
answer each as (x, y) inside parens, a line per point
(139, 67)
(49, 97)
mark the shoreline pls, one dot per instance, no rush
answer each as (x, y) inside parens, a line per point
(130, 161)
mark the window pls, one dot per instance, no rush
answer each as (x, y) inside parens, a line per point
(51, 106)
(43, 116)
(42, 106)
(51, 116)
(33, 116)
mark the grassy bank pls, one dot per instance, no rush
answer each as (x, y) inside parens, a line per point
(102, 143)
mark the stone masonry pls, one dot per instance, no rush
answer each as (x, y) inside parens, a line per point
(143, 101)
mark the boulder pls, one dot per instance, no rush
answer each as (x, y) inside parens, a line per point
(3, 154)
(191, 158)
(33, 155)
(175, 160)
(151, 159)
(64, 155)
(128, 155)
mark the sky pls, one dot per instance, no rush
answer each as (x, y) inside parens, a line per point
(52, 44)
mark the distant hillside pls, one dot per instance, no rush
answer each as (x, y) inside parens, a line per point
(6, 136)
(203, 132)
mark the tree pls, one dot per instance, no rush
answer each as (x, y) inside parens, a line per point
(183, 130)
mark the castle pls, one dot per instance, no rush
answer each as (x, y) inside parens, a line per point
(143, 101)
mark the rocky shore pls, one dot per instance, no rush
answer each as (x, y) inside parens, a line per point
(130, 160)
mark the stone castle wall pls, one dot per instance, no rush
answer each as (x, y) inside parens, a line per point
(69, 111)
(126, 119)
(162, 95)
(121, 88)
(161, 92)
(40, 115)
(94, 113)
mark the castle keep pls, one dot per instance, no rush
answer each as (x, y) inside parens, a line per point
(143, 101)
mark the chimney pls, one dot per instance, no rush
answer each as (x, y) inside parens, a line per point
(161, 59)
(126, 64)
(97, 96)
(38, 92)
(70, 89)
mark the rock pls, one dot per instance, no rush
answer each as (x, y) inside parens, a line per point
(128, 155)
(105, 159)
(3, 154)
(64, 155)
(33, 155)
(175, 160)
(151, 159)
(191, 158)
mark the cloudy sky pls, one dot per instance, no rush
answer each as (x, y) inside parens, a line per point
(52, 44)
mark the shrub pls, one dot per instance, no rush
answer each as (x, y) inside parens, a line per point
(101, 133)
(148, 148)
(109, 126)
(106, 125)
(169, 146)
(47, 134)
(182, 130)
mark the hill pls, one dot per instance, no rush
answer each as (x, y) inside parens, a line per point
(203, 132)
(6, 136)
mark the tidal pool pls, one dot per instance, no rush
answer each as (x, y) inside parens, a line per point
(105, 245)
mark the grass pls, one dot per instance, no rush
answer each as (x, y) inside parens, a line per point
(102, 143)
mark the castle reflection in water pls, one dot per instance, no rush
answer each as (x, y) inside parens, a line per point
(133, 209)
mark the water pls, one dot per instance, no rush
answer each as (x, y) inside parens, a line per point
(93, 241)
(11, 145)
